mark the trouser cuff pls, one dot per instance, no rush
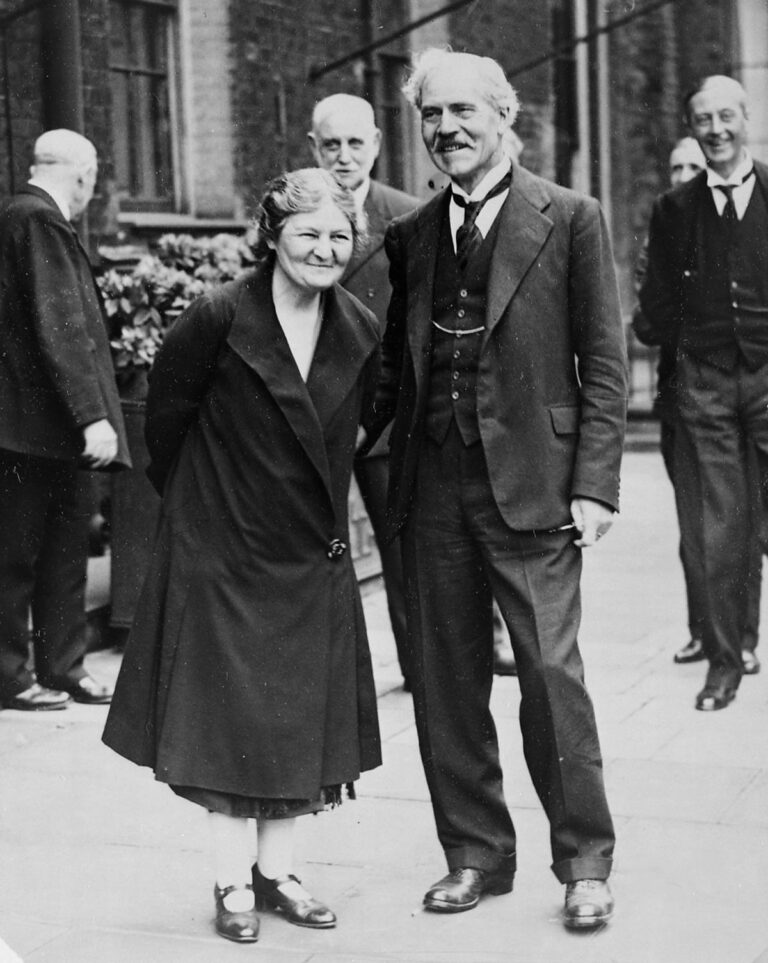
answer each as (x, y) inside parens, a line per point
(473, 857)
(585, 867)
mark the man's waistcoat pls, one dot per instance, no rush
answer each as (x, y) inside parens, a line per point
(725, 293)
(458, 305)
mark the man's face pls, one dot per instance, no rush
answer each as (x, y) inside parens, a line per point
(462, 131)
(719, 124)
(685, 162)
(346, 144)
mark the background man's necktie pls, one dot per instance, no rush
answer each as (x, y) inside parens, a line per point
(468, 236)
(729, 211)
(729, 214)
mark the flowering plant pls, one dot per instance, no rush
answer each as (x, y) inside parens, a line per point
(143, 303)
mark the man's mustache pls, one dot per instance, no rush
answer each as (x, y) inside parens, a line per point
(442, 143)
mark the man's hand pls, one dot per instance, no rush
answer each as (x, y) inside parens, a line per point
(592, 519)
(100, 443)
(362, 435)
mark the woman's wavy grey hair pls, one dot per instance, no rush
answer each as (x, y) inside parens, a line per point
(298, 192)
(492, 83)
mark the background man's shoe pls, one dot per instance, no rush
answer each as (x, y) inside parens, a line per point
(462, 888)
(588, 904)
(692, 652)
(89, 691)
(750, 662)
(504, 661)
(37, 698)
(716, 695)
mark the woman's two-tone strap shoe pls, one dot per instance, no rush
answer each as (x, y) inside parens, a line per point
(240, 926)
(286, 894)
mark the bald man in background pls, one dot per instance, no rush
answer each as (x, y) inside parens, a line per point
(345, 141)
(59, 413)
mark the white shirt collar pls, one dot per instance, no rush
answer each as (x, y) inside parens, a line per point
(490, 180)
(736, 178)
(56, 196)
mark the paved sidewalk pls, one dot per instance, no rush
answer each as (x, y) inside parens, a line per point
(100, 863)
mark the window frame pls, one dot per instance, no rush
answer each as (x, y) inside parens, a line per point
(130, 199)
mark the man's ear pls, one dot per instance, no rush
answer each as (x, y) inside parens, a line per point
(313, 146)
(376, 142)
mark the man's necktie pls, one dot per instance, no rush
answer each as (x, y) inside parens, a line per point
(468, 236)
(729, 211)
(729, 214)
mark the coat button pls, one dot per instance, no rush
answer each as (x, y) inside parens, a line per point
(336, 548)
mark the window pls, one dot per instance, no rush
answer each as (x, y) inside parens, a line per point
(142, 73)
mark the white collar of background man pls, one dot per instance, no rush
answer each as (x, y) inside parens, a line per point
(743, 169)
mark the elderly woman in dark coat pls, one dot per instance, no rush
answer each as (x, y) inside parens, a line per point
(246, 683)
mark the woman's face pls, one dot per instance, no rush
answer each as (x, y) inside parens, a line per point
(314, 248)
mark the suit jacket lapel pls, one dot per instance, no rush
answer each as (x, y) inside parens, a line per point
(256, 336)
(376, 226)
(421, 266)
(523, 230)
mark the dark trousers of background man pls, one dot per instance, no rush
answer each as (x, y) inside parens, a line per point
(722, 425)
(458, 554)
(44, 516)
(693, 570)
(372, 477)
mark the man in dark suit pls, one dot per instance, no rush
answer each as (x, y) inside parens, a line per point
(706, 295)
(686, 160)
(504, 367)
(59, 412)
(345, 141)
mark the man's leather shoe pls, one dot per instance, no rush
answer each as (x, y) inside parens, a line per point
(462, 888)
(715, 695)
(89, 691)
(588, 903)
(37, 698)
(692, 652)
(750, 662)
(302, 910)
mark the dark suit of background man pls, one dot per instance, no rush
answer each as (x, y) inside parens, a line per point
(706, 291)
(686, 160)
(59, 411)
(505, 370)
(346, 142)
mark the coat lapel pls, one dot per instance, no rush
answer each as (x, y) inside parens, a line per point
(421, 266)
(523, 230)
(256, 336)
(346, 342)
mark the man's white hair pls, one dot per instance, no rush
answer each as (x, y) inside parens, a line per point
(341, 103)
(717, 80)
(64, 146)
(492, 83)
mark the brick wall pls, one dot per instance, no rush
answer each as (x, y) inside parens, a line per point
(26, 109)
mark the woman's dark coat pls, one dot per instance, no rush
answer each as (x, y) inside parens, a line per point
(248, 669)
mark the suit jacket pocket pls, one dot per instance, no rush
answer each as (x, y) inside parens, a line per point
(565, 419)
